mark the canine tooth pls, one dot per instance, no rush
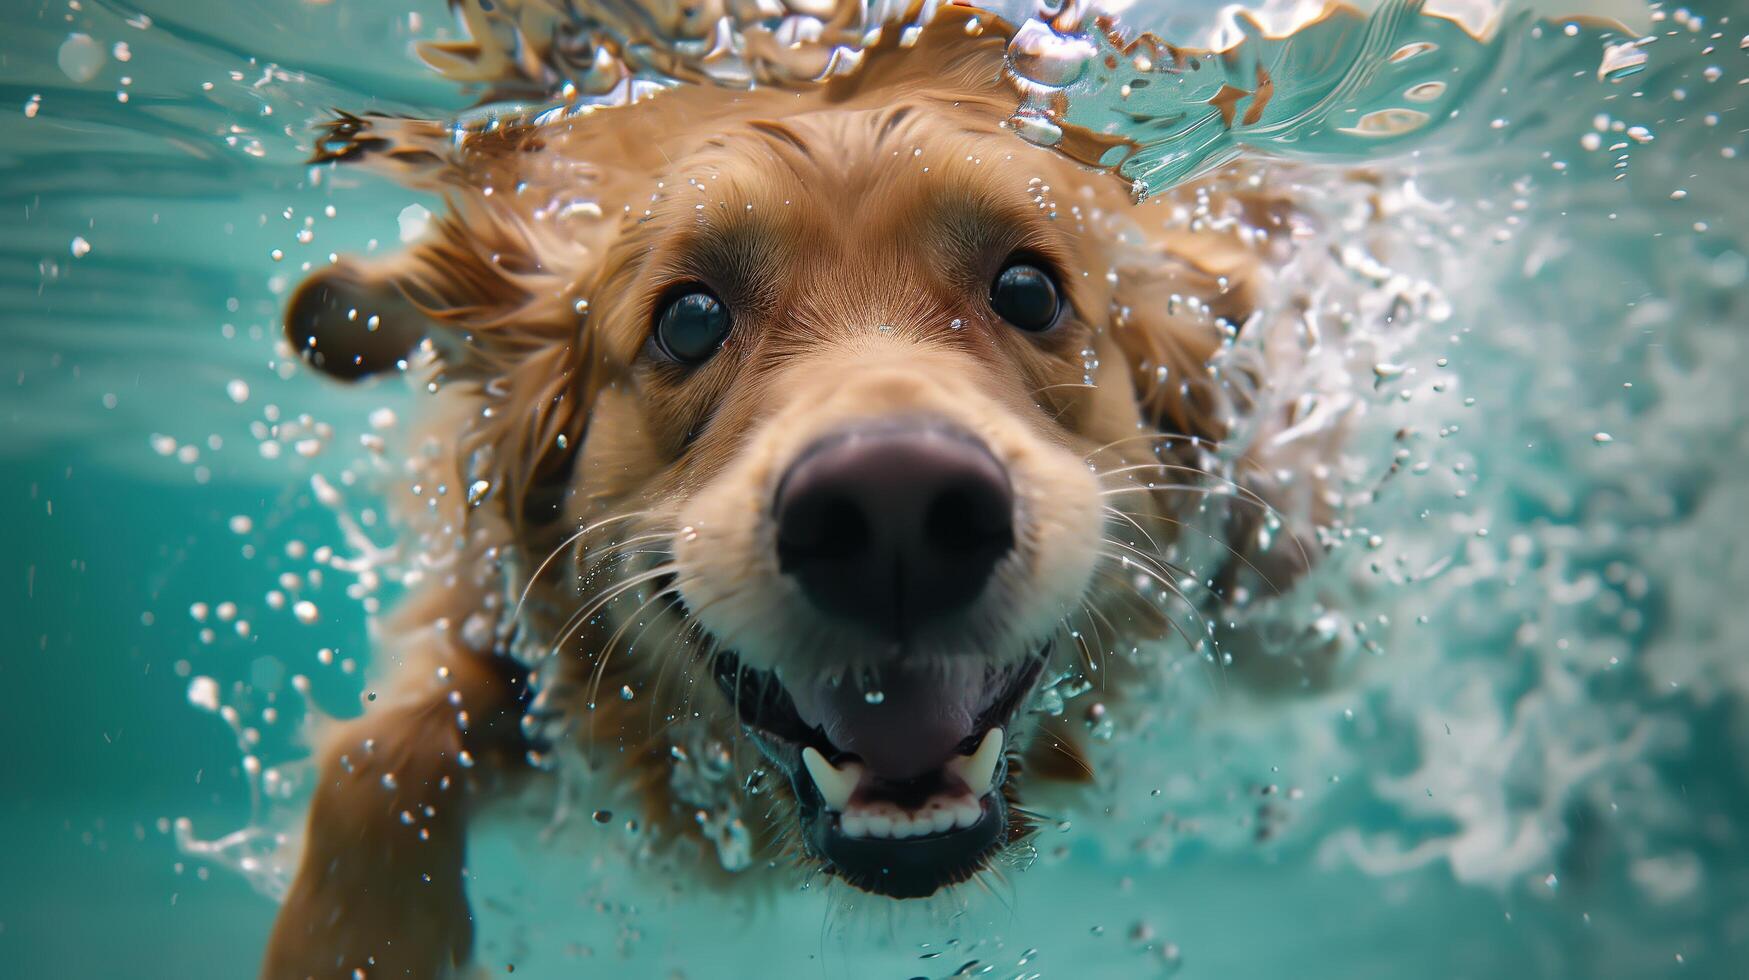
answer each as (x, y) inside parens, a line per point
(835, 784)
(979, 768)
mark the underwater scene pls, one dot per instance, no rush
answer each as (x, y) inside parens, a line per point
(1321, 559)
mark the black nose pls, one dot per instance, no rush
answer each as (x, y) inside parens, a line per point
(894, 524)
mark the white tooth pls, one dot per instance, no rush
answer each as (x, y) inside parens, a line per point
(879, 824)
(966, 812)
(852, 824)
(979, 768)
(835, 785)
(941, 816)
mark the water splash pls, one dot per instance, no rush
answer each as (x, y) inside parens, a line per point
(1343, 85)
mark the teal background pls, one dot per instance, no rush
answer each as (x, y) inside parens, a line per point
(105, 544)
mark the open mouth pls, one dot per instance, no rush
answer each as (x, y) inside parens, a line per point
(898, 777)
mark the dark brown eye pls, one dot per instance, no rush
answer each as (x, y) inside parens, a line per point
(1025, 296)
(692, 326)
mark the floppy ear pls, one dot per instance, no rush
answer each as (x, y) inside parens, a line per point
(490, 290)
(353, 320)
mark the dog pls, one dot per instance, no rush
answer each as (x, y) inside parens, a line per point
(811, 431)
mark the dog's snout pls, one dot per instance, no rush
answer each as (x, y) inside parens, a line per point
(892, 525)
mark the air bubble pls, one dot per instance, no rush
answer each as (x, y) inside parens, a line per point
(80, 58)
(1620, 61)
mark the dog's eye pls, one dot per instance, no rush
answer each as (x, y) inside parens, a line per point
(692, 326)
(1024, 295)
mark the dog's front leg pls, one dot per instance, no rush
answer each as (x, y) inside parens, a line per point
(380, 887)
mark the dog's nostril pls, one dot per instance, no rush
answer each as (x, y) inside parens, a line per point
(826, 527)
(894, 524)
(969, 519)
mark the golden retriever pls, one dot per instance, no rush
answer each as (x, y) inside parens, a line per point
(807, 431)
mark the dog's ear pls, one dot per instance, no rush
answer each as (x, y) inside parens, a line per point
(352, 320)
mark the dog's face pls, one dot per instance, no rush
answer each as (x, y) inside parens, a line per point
(857, 376)
(857, 386)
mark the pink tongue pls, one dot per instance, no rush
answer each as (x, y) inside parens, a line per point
(909, 722)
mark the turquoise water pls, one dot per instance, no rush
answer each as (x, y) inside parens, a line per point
(1532, 314)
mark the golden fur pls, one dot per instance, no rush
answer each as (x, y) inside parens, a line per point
(849, 215)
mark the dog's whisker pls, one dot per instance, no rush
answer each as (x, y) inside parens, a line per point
(1066, 384)
(1165, 566)
(1236, 553)
(1167, 437)
(611, 647)
(598, 566)
(601, 599)
(1059, 748)
(1244, 492)
(1161, 577)
(1067, 626)
(598, 558)
(1098, 641)
(560, 548)
(1125, 516)
(1169, 587)
(687, 633)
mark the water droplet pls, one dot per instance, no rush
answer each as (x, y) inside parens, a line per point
(80, 58)
(203, 692)
(874, 697)
(413, 221)
(1620, 61)
(305, 611)
(477, 492)
(1036, 129)
(80, 247)
(1043, 57)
